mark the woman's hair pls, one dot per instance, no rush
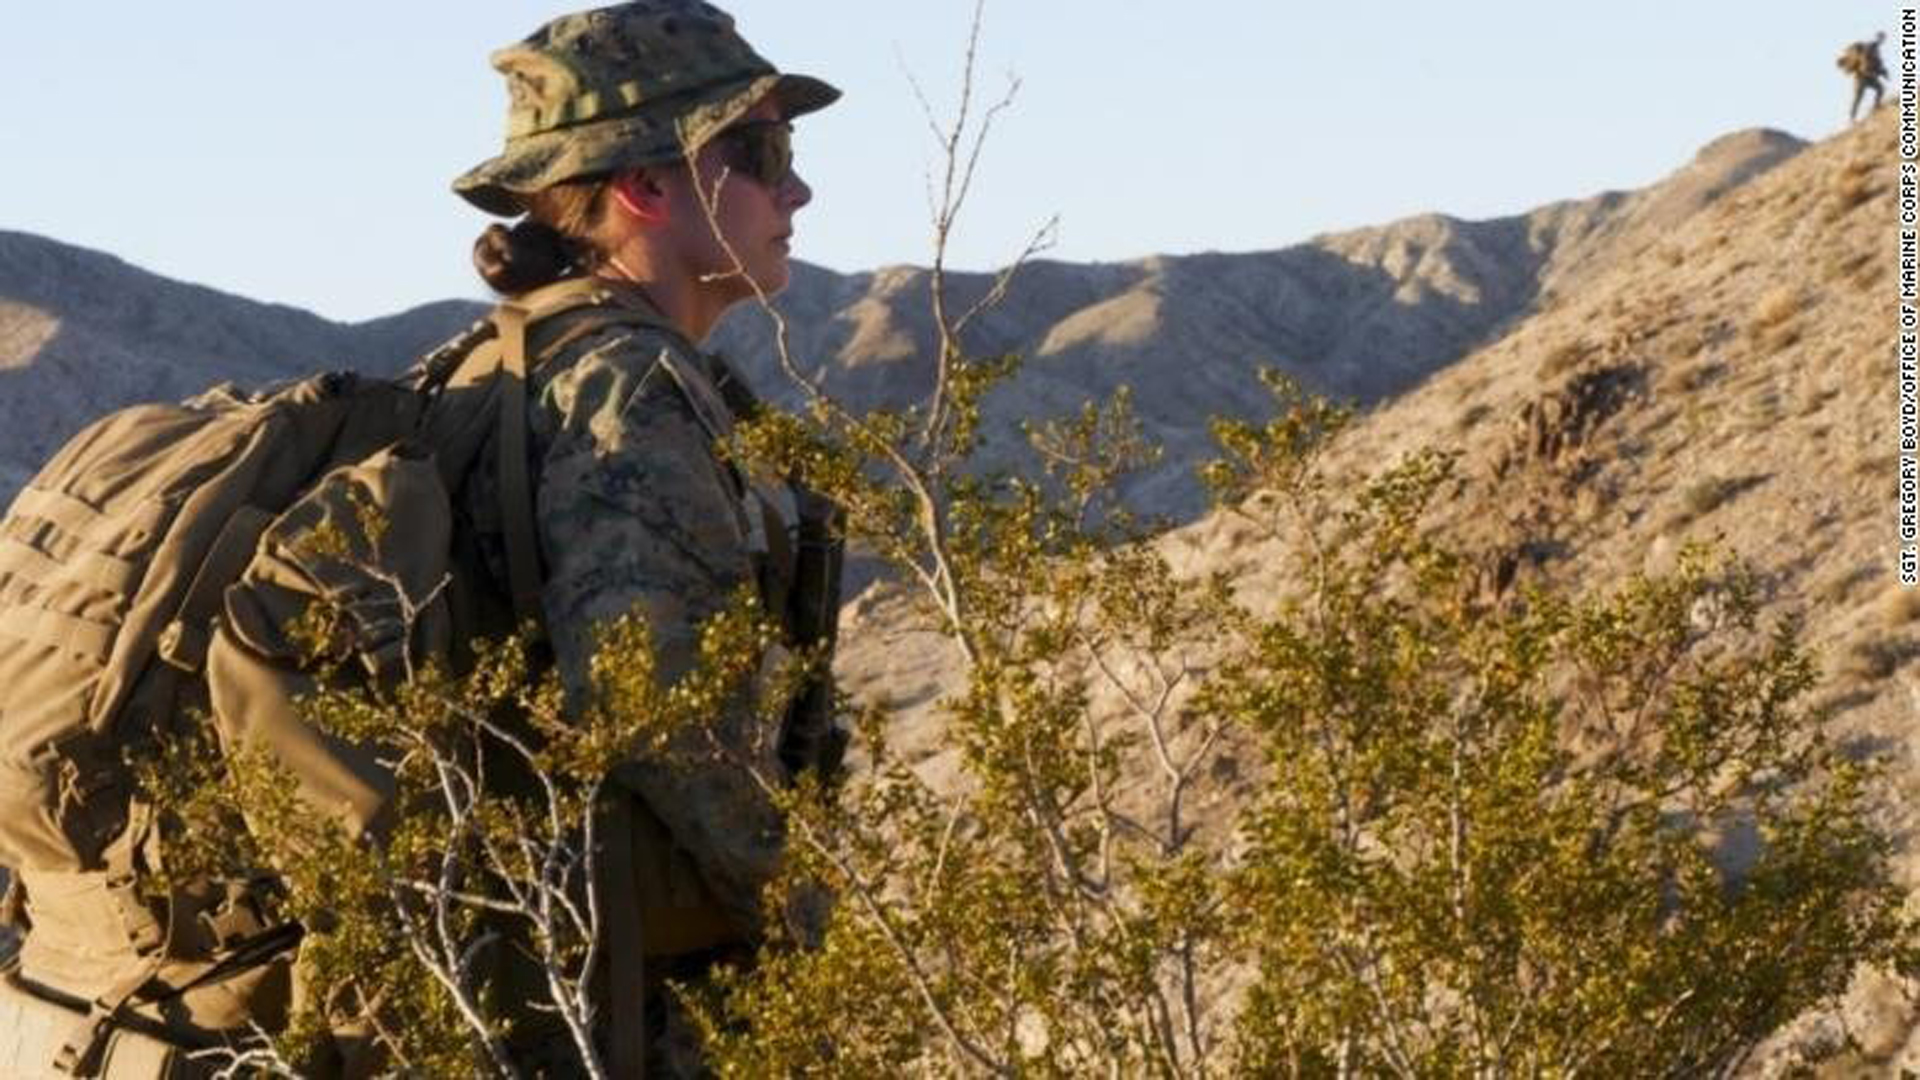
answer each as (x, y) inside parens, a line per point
(558, 239)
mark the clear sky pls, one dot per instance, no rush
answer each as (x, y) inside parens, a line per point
(300, 153)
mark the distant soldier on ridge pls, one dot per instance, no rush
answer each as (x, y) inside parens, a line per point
(1862, 61)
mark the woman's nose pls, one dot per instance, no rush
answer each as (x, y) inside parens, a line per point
(794, 191)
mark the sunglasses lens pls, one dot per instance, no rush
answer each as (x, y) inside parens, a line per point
(763, 150)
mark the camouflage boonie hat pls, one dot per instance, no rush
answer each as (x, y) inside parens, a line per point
(623, 86)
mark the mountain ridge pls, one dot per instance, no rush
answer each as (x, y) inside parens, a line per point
(1363, 314)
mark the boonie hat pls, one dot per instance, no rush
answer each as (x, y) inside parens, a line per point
(623, 86)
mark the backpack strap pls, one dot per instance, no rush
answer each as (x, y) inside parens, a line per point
(81, 1054)
(568, 311)
(624, 959)
(523, 333)
(437, 368)
(516, 487)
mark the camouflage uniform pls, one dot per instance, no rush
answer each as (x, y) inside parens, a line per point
(635, 512)
(637, 515)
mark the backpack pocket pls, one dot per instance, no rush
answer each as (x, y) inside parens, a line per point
(353, 571)
(362, 556)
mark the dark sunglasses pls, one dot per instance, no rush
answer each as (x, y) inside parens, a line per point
(761, 149)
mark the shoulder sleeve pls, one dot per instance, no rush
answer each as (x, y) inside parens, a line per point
(636, 514)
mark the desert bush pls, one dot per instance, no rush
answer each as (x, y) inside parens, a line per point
(1842, 265)
(1707, 494)
(1873, 658)
(1564, 357)
(1773, 326)
(1851, 186)
(1840, 588)
(1488, 844)
(463, 932)
(1471, 416)
(1486, 839)
(1899, 605)
(1689, 378)
(1815, 399)
(1469, 808)
(1689, 339)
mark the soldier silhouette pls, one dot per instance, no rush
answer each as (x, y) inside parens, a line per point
(1862, 61)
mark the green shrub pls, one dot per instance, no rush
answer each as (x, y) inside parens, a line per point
(1491, 839)
(1487, 839)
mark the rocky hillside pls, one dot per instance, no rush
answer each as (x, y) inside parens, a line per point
(1724, 374)
(1733, 383)
(1361, 315)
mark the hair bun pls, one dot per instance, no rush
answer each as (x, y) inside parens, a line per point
(524, 257)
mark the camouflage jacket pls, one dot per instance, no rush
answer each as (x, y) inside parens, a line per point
(636, 514)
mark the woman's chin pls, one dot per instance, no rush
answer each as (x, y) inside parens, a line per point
(773, 278)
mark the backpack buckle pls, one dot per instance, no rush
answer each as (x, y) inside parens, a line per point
(236, 918)
(145, 933)
(183, 646)
(84, 1049)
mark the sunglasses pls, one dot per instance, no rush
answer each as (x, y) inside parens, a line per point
(760, 149)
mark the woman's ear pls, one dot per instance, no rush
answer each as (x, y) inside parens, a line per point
(638, 193)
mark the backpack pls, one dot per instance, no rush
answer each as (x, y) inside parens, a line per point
(115, 566)
(1861, 60)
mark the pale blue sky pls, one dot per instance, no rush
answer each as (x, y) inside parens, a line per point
(301, 153)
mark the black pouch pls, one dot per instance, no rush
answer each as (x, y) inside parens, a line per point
(811, 737)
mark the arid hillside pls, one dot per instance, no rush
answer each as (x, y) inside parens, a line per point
(1725, 377)
(1729, 379)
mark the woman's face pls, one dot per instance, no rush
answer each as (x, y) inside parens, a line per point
(735, 227)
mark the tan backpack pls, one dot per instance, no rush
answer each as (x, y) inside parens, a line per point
(115, 561)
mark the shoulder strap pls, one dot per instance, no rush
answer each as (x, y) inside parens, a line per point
(538, 325)
(516, 489)
(624, 955)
